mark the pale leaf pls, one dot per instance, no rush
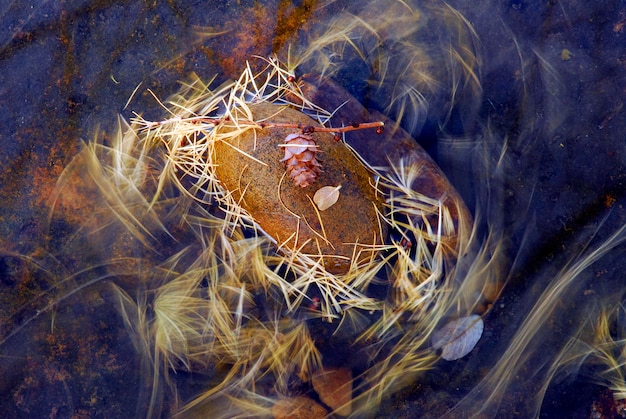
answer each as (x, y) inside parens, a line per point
(458, 337)
(326, 197)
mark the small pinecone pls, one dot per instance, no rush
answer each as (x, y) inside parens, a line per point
(300, 151)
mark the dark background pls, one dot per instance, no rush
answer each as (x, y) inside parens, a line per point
(554, 86)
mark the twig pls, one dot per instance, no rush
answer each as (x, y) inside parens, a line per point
(306, 129)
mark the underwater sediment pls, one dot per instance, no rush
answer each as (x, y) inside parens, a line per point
(187, 246)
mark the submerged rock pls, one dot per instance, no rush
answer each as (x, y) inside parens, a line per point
(300, 407)
(285, 210)
(334, 387)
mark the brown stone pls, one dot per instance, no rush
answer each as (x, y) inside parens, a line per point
(388, 149)
(334, 388)
(300, 407)
(284, 210)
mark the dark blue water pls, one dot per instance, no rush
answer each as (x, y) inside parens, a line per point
(552, 86)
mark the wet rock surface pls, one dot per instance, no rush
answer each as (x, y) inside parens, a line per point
(334, 388)
(285, 210)
(298, 408)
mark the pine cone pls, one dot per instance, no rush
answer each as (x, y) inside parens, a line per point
(300, 152)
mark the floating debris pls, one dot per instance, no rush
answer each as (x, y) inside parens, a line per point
(307, 270)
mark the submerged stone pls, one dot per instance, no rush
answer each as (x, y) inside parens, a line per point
(259, 182)
(299, 407)
(334, 387)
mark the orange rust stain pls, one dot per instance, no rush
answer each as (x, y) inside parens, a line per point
(609, 200)
(259, 30)
(251, 30)
(290, 19)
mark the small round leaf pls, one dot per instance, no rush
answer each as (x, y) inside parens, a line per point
(458, 337)
(326, 197)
